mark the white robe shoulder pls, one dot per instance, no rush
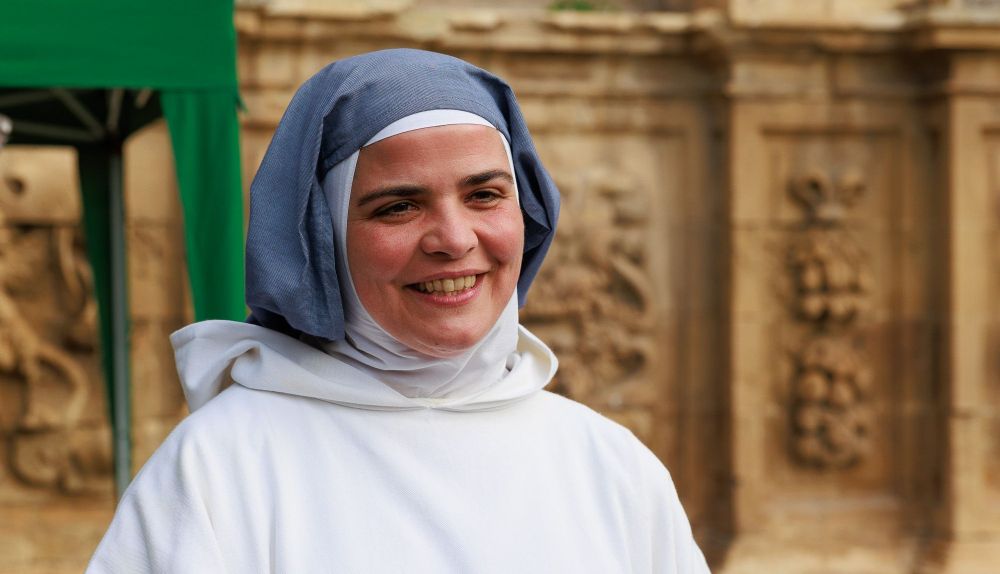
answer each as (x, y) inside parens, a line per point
(258, 481)
(300, 468)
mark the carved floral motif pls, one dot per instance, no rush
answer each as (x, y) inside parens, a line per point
(827, 201)
(831, 280)
(830, 415)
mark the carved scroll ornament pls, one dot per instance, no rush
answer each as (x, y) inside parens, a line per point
(592, 300)
(50, 446)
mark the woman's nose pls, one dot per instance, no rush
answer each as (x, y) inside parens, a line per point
(451, 233)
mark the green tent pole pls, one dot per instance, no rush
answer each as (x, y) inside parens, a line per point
(101, 183)
(119, 324)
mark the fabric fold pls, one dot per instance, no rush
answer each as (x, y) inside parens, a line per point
(213, 354)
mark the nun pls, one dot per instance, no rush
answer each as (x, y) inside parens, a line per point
(382, 410)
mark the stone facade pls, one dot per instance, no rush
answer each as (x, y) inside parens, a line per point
(777, 264)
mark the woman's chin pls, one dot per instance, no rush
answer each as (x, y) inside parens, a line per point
(443, 347)
(445, 350)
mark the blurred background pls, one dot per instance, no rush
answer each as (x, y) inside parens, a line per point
(778, 263)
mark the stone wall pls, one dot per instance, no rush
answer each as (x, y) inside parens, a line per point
(777, 263)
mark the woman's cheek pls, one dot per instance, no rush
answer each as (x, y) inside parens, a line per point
(508, 235)
(373, 251)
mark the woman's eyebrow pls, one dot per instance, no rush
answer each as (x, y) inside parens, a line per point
(401, 191)
(486, 176)
(392, 191)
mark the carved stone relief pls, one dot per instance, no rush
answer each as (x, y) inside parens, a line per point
(49, 446)
(48, 330)
(592, 300)
(830, 410)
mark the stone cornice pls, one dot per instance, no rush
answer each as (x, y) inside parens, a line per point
(525, 30)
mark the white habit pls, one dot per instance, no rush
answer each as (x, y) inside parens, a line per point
(307, 465)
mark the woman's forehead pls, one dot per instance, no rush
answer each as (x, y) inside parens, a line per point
(433, 150)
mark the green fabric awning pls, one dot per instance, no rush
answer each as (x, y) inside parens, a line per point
(175, 44)
(82, 73)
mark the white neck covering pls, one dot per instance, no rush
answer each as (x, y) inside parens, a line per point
(367, 346)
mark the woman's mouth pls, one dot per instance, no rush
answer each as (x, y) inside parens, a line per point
(446, 287)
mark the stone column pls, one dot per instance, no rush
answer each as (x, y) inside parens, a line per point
(864, 350)
(971, 94)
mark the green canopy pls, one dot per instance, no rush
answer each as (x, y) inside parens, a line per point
(88, 74)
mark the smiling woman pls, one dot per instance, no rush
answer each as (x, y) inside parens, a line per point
(382, 410)
(435, 236)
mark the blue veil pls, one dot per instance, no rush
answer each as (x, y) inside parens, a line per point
(291, 281)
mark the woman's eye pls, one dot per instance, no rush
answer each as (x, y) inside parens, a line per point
(395, 209)
(485, 196)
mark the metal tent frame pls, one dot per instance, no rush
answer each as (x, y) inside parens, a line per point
(65, 79)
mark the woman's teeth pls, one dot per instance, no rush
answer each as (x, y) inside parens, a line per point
(447, 286)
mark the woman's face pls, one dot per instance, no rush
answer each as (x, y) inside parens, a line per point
(435, 235)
